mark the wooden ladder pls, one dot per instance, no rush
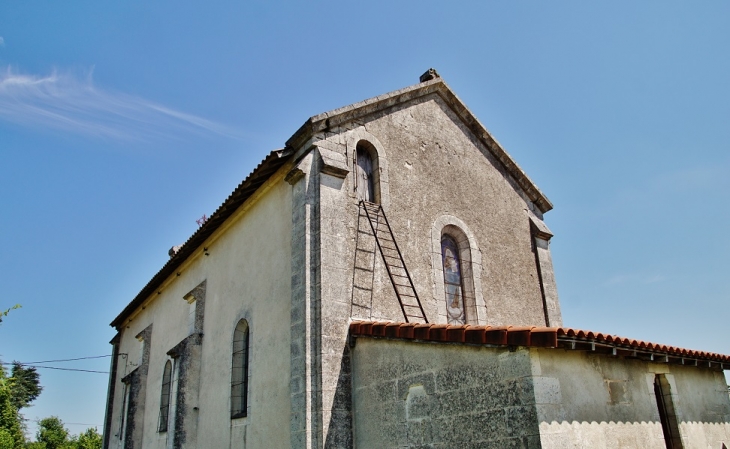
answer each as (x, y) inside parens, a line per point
(403, 286)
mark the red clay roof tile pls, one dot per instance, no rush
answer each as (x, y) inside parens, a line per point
(544, 337)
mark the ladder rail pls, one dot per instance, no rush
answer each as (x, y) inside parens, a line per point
(423, 313)
(368, 270)
(379, 211)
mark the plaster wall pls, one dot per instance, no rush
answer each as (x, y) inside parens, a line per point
(592, 400)
(425, 395)
(247, 273)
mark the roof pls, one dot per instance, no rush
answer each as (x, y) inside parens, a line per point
(245, 189)
(331, 119)
(539, 337)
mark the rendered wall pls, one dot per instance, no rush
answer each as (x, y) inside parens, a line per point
(597, 401)
(246, 274)
(409, 395)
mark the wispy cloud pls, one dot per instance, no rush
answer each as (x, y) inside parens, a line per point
(2, 42)
(68, 102)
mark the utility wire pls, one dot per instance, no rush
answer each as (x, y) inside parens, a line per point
(69, 369)
(62, 369)
(67, 360)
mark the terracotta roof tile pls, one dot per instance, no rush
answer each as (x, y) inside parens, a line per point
(542, 337)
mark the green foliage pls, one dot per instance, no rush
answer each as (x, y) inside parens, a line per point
(11, 427)
(5, 313)
(52, 433)
(91, 439)
(35, 445)
(6, 440)
(25, 385)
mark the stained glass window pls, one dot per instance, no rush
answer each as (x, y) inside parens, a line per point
(453, 287)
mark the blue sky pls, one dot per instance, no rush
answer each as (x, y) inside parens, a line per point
(122, 123)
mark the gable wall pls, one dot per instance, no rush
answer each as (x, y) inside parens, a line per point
(432, 171)
(436, 169)
(247, 275)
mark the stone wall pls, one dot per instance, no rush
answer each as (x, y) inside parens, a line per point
(439, 395)
(424, 395)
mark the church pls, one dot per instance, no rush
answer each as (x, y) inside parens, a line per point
(385, 281)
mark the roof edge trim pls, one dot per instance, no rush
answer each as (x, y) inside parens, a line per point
(335, 117)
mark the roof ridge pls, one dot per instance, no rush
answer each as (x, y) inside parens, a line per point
(327, 120)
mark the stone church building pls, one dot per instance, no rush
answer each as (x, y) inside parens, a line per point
(385, 281)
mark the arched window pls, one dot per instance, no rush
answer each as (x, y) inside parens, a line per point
(239, 372)
(453, 281)
(365, 173)
(165, 397)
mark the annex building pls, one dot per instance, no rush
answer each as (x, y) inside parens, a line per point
(385, 281)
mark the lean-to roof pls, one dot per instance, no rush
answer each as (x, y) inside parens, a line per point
(541, 337)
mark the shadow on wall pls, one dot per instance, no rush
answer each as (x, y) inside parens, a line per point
(339, 435)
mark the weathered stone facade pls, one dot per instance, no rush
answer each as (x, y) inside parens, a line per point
(290, 253)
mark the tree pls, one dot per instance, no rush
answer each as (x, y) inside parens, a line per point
(52, 433)
(5, 312)
(25, 385)
(11, 426)
(91, 439)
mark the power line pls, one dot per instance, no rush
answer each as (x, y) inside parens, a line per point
(67, 360)
(69, 369)
(58, 368)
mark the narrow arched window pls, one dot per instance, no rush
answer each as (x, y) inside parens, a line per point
(239, 372)
(165, 397)
(453, 281)
(365, 181)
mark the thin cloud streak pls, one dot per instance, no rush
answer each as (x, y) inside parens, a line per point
(65, 102)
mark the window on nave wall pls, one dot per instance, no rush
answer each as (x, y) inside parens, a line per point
(165, 397)
(239, 371)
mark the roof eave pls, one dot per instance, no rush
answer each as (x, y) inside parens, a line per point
(271, 163)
